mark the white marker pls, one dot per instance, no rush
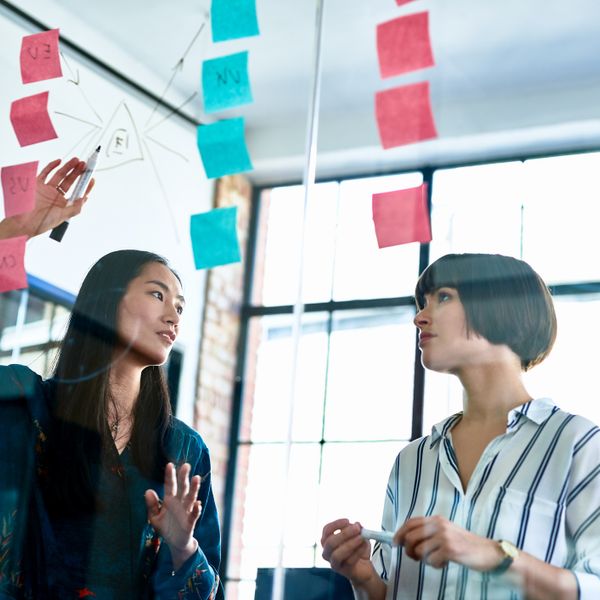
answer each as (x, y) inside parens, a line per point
(82, 183)
(385, 537)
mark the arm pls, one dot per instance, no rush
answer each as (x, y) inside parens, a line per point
(50, 208)
(437, 541)
(188, 563)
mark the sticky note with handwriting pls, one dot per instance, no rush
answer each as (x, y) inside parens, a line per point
(233, 19)
(18, 187)
(214, 237)
(403, 45)
(223, 148)
(31, 121)
(404, 115)
(40, 57)
(225, 82)
(12, 264)
(401, 217)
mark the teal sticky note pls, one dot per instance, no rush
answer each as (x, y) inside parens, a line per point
(223, 148)
(225, 82)
(214, 238)
(233, 19)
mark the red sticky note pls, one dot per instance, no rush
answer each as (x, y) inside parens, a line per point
(40, 58)
(403, 45)
(18, 186)
(31, 121)
(401, 2)
(404, 115)
(401, 217)
(12, 264)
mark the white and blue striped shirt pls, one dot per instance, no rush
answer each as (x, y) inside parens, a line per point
(537, 485)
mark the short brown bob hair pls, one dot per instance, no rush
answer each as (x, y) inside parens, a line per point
(505, 301)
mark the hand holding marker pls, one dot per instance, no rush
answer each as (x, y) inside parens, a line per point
(58, 232)
(385, 537)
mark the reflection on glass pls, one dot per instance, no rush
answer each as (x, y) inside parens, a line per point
(370, 375)
(477, 209)
(362, 270)
(561, 216)
(443, 397)
(267, 388)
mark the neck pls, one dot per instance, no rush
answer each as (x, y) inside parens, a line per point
(491, 391)
(124, 387)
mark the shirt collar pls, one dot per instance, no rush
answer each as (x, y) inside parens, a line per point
(536, 411)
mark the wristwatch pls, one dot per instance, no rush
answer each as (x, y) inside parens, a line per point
(510, 552)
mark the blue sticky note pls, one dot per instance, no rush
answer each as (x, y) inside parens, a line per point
(225, 82)
(214, 238)
(233, 19)
(223, 148)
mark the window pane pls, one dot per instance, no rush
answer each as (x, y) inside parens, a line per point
(561, 217)
(362, 270)
(240, 590)
(353, 483)
(283, 222)
(260, 508)
(477, 209)
(370, 375)
(570, 374)
(268, 375)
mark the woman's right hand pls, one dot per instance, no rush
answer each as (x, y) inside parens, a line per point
(348, 553)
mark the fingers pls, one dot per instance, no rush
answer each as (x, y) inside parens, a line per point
(57, 177)
(192, 495)
(46, 170)
(338, 538)
(90, 187)
(170, 480)
(152, 503)
(71, 176)
(330, 528)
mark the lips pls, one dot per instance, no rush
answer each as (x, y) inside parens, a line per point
(168, 335)
(425, 337)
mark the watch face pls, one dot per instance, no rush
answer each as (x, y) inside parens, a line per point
(509, 549)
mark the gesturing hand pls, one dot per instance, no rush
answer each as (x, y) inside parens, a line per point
(51, 207)
(175, 517)
(437, 541)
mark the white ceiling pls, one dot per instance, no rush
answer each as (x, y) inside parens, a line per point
(511, 76)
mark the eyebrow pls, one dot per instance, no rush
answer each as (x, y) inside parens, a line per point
(165, 287)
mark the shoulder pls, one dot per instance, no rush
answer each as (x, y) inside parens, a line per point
(19, 381)
(185, 444)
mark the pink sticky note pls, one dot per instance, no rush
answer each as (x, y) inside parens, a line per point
(401, 2)
(403, 45)
(18, 185)
(404, 115)
(401, 217)
(30, 119)
(40, 58)
(12, 264)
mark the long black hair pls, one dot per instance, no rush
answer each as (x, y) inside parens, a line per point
(82, 439)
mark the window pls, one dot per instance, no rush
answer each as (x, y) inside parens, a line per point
(360, 393)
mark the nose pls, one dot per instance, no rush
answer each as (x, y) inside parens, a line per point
(422, 318)
(172, 317)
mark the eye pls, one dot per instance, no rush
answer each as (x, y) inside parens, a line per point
(444, 296)
(180, 310)
(158, 295)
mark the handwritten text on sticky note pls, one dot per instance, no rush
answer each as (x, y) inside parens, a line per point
(12, 264)
(401, 217)
(225, 82)
(233, 19)
(223, 148)
(214, 237)
(403, 44)
(40, 58)
(30, 119)
(404, 115)
(18, 187)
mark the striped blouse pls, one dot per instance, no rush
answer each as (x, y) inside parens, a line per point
(537, 485)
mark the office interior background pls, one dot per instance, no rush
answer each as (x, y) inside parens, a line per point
(515, 94)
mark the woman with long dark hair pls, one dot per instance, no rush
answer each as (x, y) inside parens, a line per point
(501, 500)
(110, 495)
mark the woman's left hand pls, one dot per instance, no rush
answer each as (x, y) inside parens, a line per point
(437, 541)
(175, 517)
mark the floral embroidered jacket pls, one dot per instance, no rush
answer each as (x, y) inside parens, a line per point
(111, 555)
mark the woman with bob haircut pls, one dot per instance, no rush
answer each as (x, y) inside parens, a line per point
(103, 492)
(501, 500)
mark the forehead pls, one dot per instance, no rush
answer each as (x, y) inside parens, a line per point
(155, 271)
